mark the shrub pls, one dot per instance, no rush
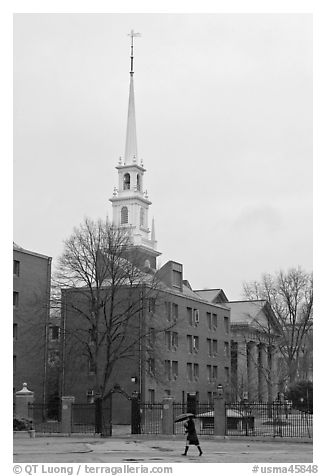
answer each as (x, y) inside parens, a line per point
(301, 394)
(22, 424)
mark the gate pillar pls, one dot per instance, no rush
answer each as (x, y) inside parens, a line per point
(66, 414)
(23, 398)
(167, 422)
(219, 416)
(135, 414)
(98, 415)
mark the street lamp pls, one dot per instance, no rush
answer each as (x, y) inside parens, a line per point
(220, 391)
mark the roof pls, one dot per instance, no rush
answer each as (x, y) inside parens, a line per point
(212, 295)
(33, 253)
(245, 312)
(256, 313)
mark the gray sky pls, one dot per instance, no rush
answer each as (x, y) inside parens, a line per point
(224, 126)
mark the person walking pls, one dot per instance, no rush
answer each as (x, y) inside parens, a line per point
(192, 438)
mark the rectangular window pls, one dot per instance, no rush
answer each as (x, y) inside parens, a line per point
(16, 269)
(226, 325)
(15, 298)
(196, 371)
(195, 344)
(209, 347)
(189, 371)
(175, 312)
(167, 368)
(168, 311)
(189, 315)
(175, 370)
(14, 363)
(226, 350)
(151, 337)
(196, 317)
(151, 395)
(171, 340)
(209, 320)
(151, 366)
(209, 372)
(174, 340)
(151, 305)
(15, 331)
(214, 374)
(177, 279)
(210, 398)
(227, 375)
(54, 332)
(167, 336)
(91, 366)
(214, 323)
(189, 344)
(214, 347)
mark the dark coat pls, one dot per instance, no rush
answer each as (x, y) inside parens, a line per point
(192, 438)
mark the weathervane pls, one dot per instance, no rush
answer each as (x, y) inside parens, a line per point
(132, 34)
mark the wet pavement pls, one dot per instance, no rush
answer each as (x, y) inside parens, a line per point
(162, 450)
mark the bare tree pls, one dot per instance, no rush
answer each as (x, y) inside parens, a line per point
(110, 299)
(290, 295)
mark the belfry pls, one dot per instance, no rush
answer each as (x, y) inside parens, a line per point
(130, 201)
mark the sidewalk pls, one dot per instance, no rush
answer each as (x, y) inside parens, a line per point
(161, 450)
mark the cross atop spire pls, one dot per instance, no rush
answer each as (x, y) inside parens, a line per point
(132, 35)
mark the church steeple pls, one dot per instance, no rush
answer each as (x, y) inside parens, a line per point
(131, 137)
(130, 201)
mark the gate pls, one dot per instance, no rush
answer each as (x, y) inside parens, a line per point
(104, 413)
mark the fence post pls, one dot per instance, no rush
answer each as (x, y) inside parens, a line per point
(167, 422)
(66, 414)
(23, 398)
(219, 416)
(135, 414)
(98, 415)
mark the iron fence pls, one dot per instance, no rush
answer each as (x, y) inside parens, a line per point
(204, 418)
(83, 418)
(151, 415)
(267, 419)
(46, 417)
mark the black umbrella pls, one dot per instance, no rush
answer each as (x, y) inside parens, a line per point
(184, 416)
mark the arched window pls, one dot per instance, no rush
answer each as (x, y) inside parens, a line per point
(124, 215)
(142, 215)
(138, 182)
(126, 182)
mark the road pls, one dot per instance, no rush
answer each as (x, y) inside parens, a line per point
(161, 450)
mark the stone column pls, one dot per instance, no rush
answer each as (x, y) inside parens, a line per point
(274, 373)
(264, 374)
(167, 422)
(219, 416)
(252, 366)
(23, 398)
(242, 370)
(66, 414)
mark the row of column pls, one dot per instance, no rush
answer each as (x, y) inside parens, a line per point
(256, 371)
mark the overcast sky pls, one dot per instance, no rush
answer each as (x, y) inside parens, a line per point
(224, 126)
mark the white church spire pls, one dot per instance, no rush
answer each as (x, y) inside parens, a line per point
(131, 137)
(130, 202)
